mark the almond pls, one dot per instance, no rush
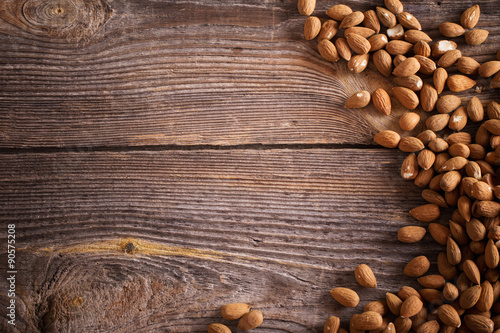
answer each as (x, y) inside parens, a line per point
(312, 26)
(453, 253)
(470, 17)
(387, 138)
(437, 122)
(234, 311)
(382, 101)
(476, 36)
(345, 296)
(473, 170)
(459, 149)
(488, 208)
(412, 82)
(448, 103)
(386, 17)
(472, 272)
(441, 47)
(475, 109)
(426, 213)
(306, 7)
(409, 21)
(417, 267)
(486, 299)
(218, 328)
(449, 58)
(343, 48)
(449, 316)
(422, 48)
(493, 126)
(457, 83)
(406, 97)
(410, 144)
(482, 191)
(427, 66)
(454, 163)
(352, 19)
(451, 30)
(450, 292)
(397, 32)
(383, 62)
(377, 306)
(432, 281)
(398, 60)
(411, 306)
(411, 234)
(328, 50)
(251, 320)
(446, 269)
(424, 177)
(427, 136)
(429, 327)
(438, 145)
(332, 325)
(338, 12)
(369, 320)
(358, 100)
(358, 43)
(378, 42)
(450, 181)
(475, 230)
(408, 121)
(426, 159)
(371, 21)
(428, 98)
(489, 68)
(362, 31)
(328, 30)
(393, 303)
(493, 110)
(396, 47)
(495, 81)
(358, 63)
(467, 65)
(408, 67)
(491, 255)
(395, 6)
(479, 323)
(439, 77)
(409, 168)
(365, 277)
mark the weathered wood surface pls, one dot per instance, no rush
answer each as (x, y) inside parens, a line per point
(130, 219)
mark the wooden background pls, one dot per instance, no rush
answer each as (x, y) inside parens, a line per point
(162, 158)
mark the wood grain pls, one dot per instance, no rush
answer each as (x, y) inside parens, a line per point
(190, 73)
(158, 241)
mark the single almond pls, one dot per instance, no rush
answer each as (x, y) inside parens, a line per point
(470, 17)
(352, 19)
(442, 46)
(486, 299)
(382, 101)
(451, 30)
(459, 149)
(406, 97)
(312, 27)
(449, 316)
(422, 48)
(332, 325)
(329, 29)
(377, 306)
(343, 48)
(328, 50)
(306, 7)
(450, 181)
(417, 267)
(358, 63)
(450, 292)
(358, 100)
(424, 177)
(408, 67)
(448, 103)
(475, 230)
(453, 253)
(495, 81)
(345, 296)
(472, 272)
(393, 303)
(411, 306)
(409, 21)
(458, 83)
(493, 126)
(428, 98)
(414, 36)
(491, 255)
(408, 121)
(371, 21)
(427, 65)
(412, 82)
(467, 66)
(475, 109)
(482, 191)
(435, 281)
(218, 328)
(383, 62)
(489, 68)
(410, 144)
(426, 159)
(377, 42)
(476, 36)
(387, 138)
(411, 234)
(397, 32)
(446, 269)
(365, 277)
(438, 145)
(493, 110)
(409, 168)
(251, 320)
(449, 58)
(398, 59)
(396, 47)
(338, 12)
(479, 323)
(358, 43)
(369, 320)
(488, 208)
(362, 31)
(439, 77)
(437, 122)
(234, 311)
(454, 163)
(427, 136)
(386, 17)
(426, 213)
(395, 6)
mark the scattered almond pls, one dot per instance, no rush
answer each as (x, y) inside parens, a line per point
(386, 17)
(387, 138)
(411, 234)
(371, 21)
(352, 19)
(406, 96)
(365, 277)
(408, 21)
(338, 12)
(345, 296)
(383, 62)
(358, 63)
(358, 100)
(382, 101)
(328, 50)
(358, 43)
(476, 36)
(312, 26)
(218, 328)
(470, 17)
(458, 82)
(234, 311)
(467, 65)
(251, 320)
(451, 30)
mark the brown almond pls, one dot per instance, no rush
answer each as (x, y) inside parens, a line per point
(411, 234)
(470, 17)
(338, 12)
(218, 328)
(479, 323)
(426, 159)
(345, 296)
(486, 299)
(459, 149)
(489, 68)
(429, 327)
(427, 136)
(332, 325)
(442, 46)
(377, 306)
(438, 145)
(491, 254)
(428, 98)
(377, 42)
(453, 253)
(454, 163)
(234, 311)
(449, 316)
(312, 27)
(358, 100)
(488, 208)
(449, 58)
(382, 101)
(427, 66)
(495, 81)
(365, 277)
(358, 63)
(406, 97)
(439, 77)
(435, 281)
(467, 66)
(306, 7)
(395, 6)
(352, 19)
(328, 50)
(437, 122)
(251, 320)
(493, 126)
(409, 168)
(476, 231)
(470, 297)
(434, 197)
(414, 36)
(418, 266)
(408, 121)
(458, 119)
(412, 82)
(409, 21)
(411, 306)
(393, 303)
(450, 292)
(406, 68)
(371, 21)
(358, 43)
(472, 272)
(493, 110)
(362, 31)
(446, 269)
(410, 144)
(343, 48)
(475, 109)
(481, 191)
(383, 62)
(387, 138)
(369, 320)
(328, 30)
(448, 103)
(457, 83)
(463, 137)
(422, 48)
(451, 30)
(386, 17)
(476, 36)
(450, 181)
(473, 170)
(396, 47)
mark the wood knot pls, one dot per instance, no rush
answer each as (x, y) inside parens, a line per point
(129, 248)
(65, 20)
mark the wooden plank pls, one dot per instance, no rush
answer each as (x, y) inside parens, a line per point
(190, 73)
(148, 241)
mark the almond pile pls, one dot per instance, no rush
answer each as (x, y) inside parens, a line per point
(457, 172)
(248, 319)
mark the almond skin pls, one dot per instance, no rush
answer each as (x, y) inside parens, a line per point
(406, 97)
(422, 48)
(409, 21)
(383, 62)
(479, 323)
(343, 48)
(345, 296)
(411, 306)
(451, 30)
(396, 47)
(408, 121)
(393, 303)
(417, 267)
(306, 7)
(371, 21)
(428, 97)
(358, 43)
(437, 122)
(382, 101)
(427, 66)
(448, 103)
(411, 234)
(412, 82)
(378, 42)
(352, 19)
(426, 213)
(414, 36)
(458, 83)
(439, 77)
(363, 31)
(312, 27)
(410, 144)
(328, 50)
(387, 138)
(358, 63)
(234, 311)
(408, 67)
(358, 100)
(386, 17)
(328, 30)
(251, 320)
(476, 36)
(409, 168)
(338, 12)
(475, 109)
(365, 277)
(432, 281)
(449, 58)
(442, 46)
(449, 316)
(395, 6)
(467, 65)
(470, 17)
(426, 159)
(489, 68)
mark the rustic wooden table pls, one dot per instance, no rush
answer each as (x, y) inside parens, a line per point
(162, 158)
